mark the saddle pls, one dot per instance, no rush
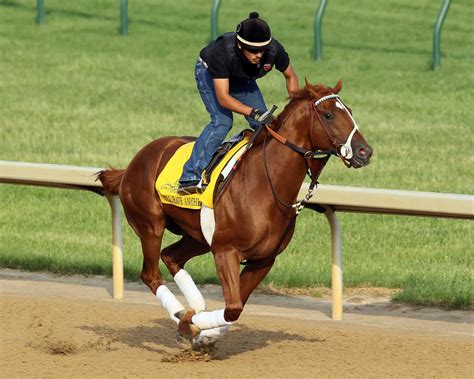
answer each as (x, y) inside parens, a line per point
(217, 173)
(222, 151)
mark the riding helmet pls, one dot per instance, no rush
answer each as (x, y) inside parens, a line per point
(253, 33)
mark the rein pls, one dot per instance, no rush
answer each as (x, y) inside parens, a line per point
(299, 205)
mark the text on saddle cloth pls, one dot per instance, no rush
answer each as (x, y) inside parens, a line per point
(167, 182)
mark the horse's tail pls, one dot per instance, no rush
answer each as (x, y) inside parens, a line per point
(111, 179)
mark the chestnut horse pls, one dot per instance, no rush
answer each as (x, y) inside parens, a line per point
(254, 214)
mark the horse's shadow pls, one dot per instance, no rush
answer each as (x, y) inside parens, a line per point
(159, 338)
(243, 339)
(151, 338)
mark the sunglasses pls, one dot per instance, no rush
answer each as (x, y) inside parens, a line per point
(255, 51)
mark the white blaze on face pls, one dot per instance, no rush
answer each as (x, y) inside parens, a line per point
(346, 149)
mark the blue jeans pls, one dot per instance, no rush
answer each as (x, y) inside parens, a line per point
(221, 120)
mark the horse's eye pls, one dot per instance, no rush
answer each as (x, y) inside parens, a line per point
(328, 116)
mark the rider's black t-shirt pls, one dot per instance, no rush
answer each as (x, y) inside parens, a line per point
(233, 65)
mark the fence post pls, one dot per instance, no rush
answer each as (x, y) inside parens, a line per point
(437, 34)
(117, 252)
(336, 265)
(214, 13)
(318, 42)
(124, 17)
(40, 12)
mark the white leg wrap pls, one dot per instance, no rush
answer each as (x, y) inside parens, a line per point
(209, 320)
(209, 336)
(169, 302)
(190, 291)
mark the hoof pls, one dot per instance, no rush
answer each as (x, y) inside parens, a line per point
(183, 342)
(179, 315)
(203, 343)
(186, 329)
(207, 338)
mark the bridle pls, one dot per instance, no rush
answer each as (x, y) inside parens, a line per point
(343, 151)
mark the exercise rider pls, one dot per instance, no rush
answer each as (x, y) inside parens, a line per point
(226, 73)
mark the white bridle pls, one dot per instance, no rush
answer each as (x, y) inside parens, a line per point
(344, 150)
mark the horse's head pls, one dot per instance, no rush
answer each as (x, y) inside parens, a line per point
(333, 130)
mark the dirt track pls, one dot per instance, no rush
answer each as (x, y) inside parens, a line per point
(71, 327)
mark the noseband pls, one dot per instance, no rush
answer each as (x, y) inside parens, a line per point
(343, 151)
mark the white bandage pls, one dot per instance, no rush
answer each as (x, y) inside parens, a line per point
(209, 320)
(169, 302)
(210, 336)
(190, 291)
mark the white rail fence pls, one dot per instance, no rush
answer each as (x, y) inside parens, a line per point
(71, 177)
(330, 197)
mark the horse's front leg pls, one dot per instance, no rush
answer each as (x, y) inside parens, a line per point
(251, 277)
(228, 269)
(236, 287)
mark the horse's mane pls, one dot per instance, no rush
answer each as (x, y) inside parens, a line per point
(308, 92)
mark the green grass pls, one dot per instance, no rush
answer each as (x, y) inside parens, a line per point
(73, 91)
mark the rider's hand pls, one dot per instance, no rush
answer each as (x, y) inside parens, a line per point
(264, 118)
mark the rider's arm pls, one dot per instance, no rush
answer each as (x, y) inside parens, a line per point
(226, 100)
(291, 80)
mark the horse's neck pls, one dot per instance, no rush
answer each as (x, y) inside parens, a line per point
(287, 168)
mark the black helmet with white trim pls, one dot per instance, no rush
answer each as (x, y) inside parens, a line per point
(253, 33)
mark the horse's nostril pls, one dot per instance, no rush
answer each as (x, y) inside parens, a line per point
(364, 153)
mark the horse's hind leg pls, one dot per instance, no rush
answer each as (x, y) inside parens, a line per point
(175, 257)
(150, 226)
(177, 254)
(151, 276)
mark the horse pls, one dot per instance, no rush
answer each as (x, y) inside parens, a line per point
(254, 213)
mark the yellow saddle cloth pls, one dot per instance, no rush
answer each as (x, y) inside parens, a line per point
(167, 182)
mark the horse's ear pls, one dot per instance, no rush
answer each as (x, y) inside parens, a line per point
(338, 86)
